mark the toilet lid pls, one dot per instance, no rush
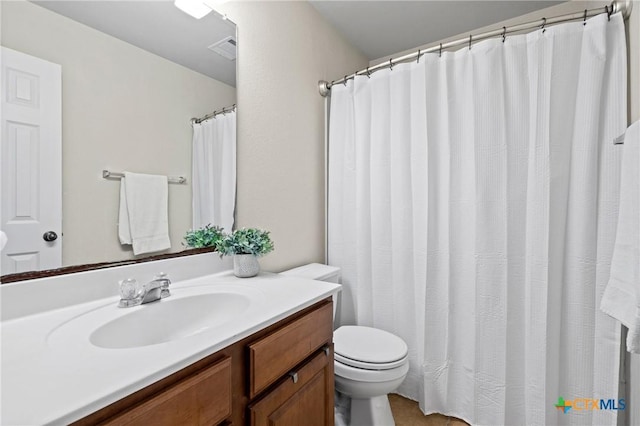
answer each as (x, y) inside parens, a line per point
(370, 348)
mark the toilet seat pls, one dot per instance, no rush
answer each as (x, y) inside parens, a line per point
(369, 348)
(369, 375)
(368, 365)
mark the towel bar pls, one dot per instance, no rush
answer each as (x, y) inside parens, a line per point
(115, 175)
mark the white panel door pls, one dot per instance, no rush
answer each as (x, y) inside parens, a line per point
(31, 161)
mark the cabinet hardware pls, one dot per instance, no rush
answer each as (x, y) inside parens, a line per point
(326, 350)
(294, 376)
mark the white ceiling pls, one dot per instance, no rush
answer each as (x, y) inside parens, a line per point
(376, 28)
(383, 28)
(158, 27)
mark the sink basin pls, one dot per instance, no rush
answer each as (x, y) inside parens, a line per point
(191, 311)
(170, 319)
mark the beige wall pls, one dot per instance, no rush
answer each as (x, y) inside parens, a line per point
(284, 49)
(122, 109)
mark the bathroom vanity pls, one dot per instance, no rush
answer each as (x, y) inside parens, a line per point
(219, 350)
(282, 374)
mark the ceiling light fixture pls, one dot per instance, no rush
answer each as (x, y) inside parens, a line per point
(195, 8)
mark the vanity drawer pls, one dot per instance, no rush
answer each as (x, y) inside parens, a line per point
(201, 399)
(274, 355)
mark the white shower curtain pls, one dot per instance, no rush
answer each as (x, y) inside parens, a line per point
(472, 208)
(214, 171)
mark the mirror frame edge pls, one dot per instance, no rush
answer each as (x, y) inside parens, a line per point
(32, 275)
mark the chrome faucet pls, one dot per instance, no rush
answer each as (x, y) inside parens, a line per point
(132, 294)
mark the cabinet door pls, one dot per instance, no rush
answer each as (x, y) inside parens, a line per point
(304, 398)
(202, 399)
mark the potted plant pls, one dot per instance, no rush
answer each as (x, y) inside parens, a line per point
(245, 245)
(209, 236)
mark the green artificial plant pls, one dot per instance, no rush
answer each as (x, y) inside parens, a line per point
(209, 236)
(245, 241)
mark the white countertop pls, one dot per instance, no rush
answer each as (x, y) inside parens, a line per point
(52, 374)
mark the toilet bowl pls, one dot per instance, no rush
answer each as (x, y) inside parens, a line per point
(368, 363)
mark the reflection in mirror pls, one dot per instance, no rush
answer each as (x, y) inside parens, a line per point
(104, 85)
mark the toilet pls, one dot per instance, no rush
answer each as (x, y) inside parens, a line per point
(369, 363)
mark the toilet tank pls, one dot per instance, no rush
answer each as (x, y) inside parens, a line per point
(320, 272)
(316, 271)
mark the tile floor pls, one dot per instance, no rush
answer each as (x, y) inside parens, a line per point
(407, 413)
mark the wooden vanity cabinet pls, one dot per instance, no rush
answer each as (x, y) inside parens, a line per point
(280, 351)
(298, 357)
(203, 398)
(305, 397)
(281, 375)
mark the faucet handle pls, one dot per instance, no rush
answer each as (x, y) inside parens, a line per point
(130, 289)
(165, 284)
(131, 293)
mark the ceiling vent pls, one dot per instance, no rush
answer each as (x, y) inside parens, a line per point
(225, 47)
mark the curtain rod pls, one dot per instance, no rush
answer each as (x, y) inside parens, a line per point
(623, 6)
(213, 114)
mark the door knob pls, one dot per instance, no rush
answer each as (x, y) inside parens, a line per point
(50, 236)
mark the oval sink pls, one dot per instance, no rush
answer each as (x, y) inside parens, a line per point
(170, 319)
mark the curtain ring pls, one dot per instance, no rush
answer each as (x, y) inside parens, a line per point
(440, 53)
(544, 23)
(585, 18)
(609, 12)
(368, 73)
(418, 61)
(391, 64)
(470, 41)
(504, 34)
(345, 81)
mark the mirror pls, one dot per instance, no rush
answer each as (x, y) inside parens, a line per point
(134, 74)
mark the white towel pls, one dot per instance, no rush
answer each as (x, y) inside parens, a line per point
(144, 219)
(621, 298)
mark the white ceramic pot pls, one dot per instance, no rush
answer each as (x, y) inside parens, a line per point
(245, 265)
